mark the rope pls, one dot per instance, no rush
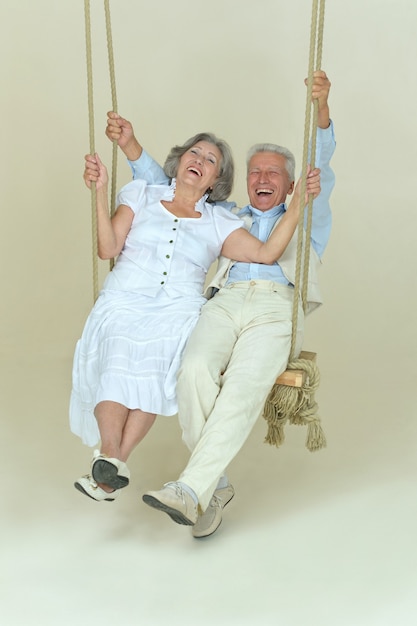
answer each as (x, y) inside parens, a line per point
(297, 404)
(92, 145)
(114, 108)
(319, 51)
(302, 265)
(91, 128)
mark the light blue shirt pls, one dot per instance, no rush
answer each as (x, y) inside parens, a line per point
(263, 221)
(262, 225)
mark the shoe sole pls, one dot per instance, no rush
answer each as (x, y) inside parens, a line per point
(218, 525)
(175, 515)
(208, 534)
(82, 490)
(106, 473)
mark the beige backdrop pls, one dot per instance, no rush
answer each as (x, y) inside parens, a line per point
(235, 68)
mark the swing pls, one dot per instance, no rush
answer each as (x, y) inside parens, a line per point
(296, 377)
(292, 396)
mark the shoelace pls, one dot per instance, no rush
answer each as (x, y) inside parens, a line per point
(91, 481)
(216, 501)
(177, 488)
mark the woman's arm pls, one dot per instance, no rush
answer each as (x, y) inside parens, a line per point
(111, 233)
(242, 246)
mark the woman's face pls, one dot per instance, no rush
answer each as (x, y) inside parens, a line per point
(200, 166)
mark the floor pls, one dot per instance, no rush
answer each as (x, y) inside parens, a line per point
(324, 538)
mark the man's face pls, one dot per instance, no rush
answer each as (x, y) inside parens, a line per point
(268, 182)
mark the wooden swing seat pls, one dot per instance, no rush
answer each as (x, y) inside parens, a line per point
(296, 378)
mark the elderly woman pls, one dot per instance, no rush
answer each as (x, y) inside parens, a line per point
(165, 238)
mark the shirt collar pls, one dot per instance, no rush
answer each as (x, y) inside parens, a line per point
(170, 193)
(274, 212)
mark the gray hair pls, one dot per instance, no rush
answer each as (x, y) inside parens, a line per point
(272, 147)
(224, 183)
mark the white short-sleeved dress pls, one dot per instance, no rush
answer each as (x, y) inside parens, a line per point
(132, 342)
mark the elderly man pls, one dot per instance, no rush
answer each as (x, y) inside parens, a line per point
(242, 340)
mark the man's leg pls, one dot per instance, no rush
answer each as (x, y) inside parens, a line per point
(260, 354)
(205, 358)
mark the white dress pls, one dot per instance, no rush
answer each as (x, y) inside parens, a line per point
(132, 342)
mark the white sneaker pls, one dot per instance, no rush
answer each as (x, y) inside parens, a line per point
(88, 486)
(174, 501)
(209, 521)
(109, 471)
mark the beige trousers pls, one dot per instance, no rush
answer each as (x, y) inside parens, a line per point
(240, 345)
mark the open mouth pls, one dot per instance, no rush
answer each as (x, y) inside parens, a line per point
(264, 192)
(195, 171)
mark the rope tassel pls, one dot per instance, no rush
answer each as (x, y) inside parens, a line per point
(296, 405)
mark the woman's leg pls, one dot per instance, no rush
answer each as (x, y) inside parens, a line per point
(136, 427)
(121, 429)
(111, 419)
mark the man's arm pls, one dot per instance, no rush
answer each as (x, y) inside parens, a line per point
(325, 147)
(146, 168)
(141, 163)
(320, 92)
(322, 216)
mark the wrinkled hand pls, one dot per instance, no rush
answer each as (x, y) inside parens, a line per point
(320, 93)
(118, 129)
(320, 88)
(312, 184)
(95, 171)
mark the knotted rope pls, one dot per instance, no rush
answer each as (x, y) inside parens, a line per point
(87, 15)
(297, 404)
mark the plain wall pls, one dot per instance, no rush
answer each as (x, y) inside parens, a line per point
(236, 69)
